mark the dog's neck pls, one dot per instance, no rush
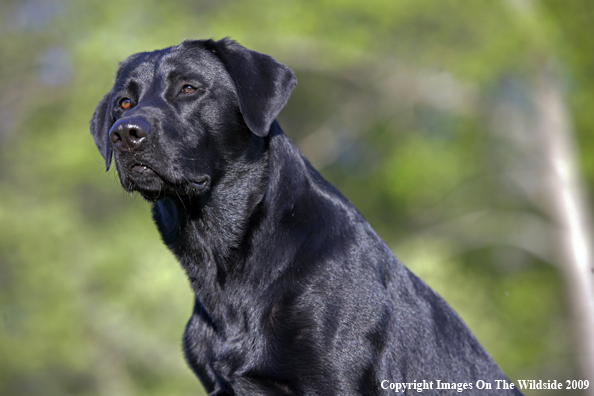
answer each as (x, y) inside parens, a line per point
(209, 234)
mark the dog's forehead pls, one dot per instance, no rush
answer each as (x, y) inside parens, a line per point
(140, 65)
(173, 61)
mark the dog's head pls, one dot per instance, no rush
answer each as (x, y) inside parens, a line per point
(176, 117)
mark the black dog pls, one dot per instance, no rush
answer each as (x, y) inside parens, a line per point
(295, 293)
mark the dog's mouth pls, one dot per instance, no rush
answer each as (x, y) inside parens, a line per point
(141, 168)
(153, 185)
(201, 183)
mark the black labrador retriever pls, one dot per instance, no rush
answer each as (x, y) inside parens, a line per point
(295, 292)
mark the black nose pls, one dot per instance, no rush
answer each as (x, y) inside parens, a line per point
(128, 134)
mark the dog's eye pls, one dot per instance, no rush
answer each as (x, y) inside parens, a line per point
(188, 89)
(125, 104)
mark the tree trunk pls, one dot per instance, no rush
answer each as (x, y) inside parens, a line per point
(569, 210)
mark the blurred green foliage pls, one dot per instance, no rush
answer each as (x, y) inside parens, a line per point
(397, 105)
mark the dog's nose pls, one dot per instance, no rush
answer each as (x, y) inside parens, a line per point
(128, 134)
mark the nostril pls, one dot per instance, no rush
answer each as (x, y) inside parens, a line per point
(115, 137)
(137, 133)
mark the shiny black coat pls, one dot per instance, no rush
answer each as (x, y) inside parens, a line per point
(295, 292)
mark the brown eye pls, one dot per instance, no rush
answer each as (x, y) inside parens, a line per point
(125, 104)
(188, 89)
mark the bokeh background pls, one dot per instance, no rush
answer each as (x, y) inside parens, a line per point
(462, 130)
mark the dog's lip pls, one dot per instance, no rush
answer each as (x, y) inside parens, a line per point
(200, 183)
(140, 168)
(196, 183)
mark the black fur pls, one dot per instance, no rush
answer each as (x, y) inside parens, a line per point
(295, 293)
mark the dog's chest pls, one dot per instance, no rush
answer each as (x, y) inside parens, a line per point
(226, 353)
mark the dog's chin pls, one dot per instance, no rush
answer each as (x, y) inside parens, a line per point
(154, 187)
(151, 188)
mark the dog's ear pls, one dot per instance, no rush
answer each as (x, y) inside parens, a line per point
(100, 124)
(263, 85)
